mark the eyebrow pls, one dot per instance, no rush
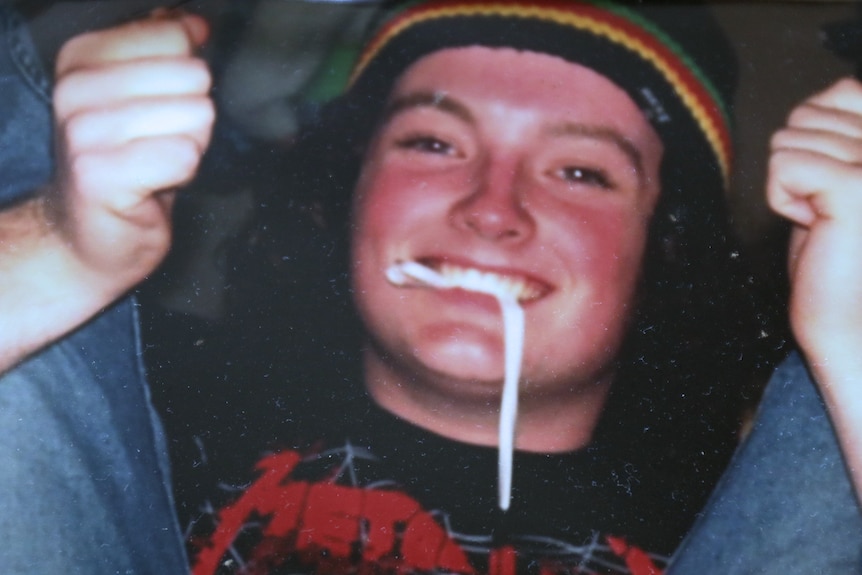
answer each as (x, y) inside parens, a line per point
(607, 134)
(437, 100)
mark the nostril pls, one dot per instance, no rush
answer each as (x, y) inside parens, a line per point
(496, 225)
(493, 209)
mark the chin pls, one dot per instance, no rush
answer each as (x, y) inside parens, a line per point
(480, 373)
(479, 361)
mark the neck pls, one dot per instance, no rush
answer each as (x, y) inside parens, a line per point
(469, 411)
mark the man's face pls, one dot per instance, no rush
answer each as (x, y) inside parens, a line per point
(521, 165)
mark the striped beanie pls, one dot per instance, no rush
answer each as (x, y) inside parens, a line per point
(672, 59)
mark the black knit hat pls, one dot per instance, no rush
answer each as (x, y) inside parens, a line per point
(672, 60)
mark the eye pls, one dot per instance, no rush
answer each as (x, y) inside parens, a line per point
(587, 176)
(427, 145)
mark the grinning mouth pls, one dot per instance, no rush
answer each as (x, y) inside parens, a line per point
(520, 287)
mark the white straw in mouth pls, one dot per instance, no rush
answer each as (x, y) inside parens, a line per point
(414, 273)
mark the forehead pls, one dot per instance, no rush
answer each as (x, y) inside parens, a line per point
(504, 84)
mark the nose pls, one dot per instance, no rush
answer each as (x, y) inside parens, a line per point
(494, 206)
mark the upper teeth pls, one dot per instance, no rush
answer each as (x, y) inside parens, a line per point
(472, 279)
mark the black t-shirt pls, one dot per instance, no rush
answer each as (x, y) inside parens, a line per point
(278, 473)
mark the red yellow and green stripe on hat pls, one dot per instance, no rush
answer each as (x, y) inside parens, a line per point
(616, 25)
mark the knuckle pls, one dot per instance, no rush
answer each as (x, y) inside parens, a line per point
(74, 129)
(72, 51)
(188, 162)
(78, 130)
(847, 84)
(778, 140)
(178, 158)
(773, 199)
(208, 111)
(199, 71)
(63, 97)
(137, 39)
(200, 115)
(800, 114)
(776, 166)
(82, 173)
(187, 153)
(838, 95)
(168, 35)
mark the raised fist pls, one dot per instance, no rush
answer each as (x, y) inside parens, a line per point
(815, 180)
(133, 118)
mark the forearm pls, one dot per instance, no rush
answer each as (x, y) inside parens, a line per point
(826, 318)
(45, 291)
(840, 380)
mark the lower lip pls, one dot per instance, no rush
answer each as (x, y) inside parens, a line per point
(466, 298)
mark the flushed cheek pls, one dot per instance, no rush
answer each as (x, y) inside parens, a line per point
(387, 205)
(584, 328)
(601, 246)
(603, 260)
(390, 217)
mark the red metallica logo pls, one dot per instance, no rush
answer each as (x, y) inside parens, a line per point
(337, 529)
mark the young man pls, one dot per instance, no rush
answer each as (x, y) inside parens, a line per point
(571, 155)
(551, 168)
